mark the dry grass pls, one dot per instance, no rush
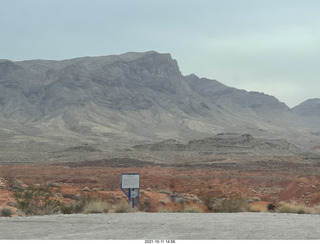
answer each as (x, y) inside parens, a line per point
(232, 205)
(284, 207)
(122, 207)
(164, 210)
(192, 209)
(316, 209)
(257, 208)
(96, 206)
(294, 207)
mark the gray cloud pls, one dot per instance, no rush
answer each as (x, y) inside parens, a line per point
(265, 45)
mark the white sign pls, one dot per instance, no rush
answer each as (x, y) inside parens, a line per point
(130, 181)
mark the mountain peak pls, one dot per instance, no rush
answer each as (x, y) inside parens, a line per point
(129, 56)
(309, 107)
(153, 62)
(7, 66)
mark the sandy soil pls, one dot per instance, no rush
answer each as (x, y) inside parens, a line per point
(264, 180)
(260, 180)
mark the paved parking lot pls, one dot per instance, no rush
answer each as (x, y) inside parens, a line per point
(176, 226)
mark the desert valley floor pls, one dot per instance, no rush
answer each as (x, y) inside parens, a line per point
(260, 180)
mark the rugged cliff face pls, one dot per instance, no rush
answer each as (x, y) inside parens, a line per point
(126, 100)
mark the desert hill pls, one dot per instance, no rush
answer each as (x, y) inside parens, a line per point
(125, 100)
(227, 143)
(310, 111)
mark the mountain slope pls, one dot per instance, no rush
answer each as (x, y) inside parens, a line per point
(125, 100)
(309, 110)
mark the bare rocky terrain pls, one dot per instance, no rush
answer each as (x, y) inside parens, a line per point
(228, 143)
(54, 110)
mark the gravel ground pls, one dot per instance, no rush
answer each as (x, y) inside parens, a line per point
(163, 226)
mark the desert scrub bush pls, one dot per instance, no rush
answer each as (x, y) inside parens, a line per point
(293, 207)
(232, 205)
(67, 209)
(6, 212)
(163, 191)
(80, 203)
(192, 209)
(70, 196)
(85, 204)
(96, 206)
(53, 184)
(316, 210)
(209, 197)
(35, 200)
(271, 207)
(257, 208)
(122, 207)
(37, 206)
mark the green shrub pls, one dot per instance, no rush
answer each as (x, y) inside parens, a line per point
(69, 209)
(6, 212)
(39, 206)
(79, 206)
(51, 207)
(210, 197)
(86, 204)
(35, 200)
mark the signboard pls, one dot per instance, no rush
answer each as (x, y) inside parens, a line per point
(130, 185)
(130, 180)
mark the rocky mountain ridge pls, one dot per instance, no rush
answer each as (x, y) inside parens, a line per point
(129, 99)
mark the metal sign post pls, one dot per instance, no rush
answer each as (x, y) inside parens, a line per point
(130, 185)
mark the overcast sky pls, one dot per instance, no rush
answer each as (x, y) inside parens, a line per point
(270, 46)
